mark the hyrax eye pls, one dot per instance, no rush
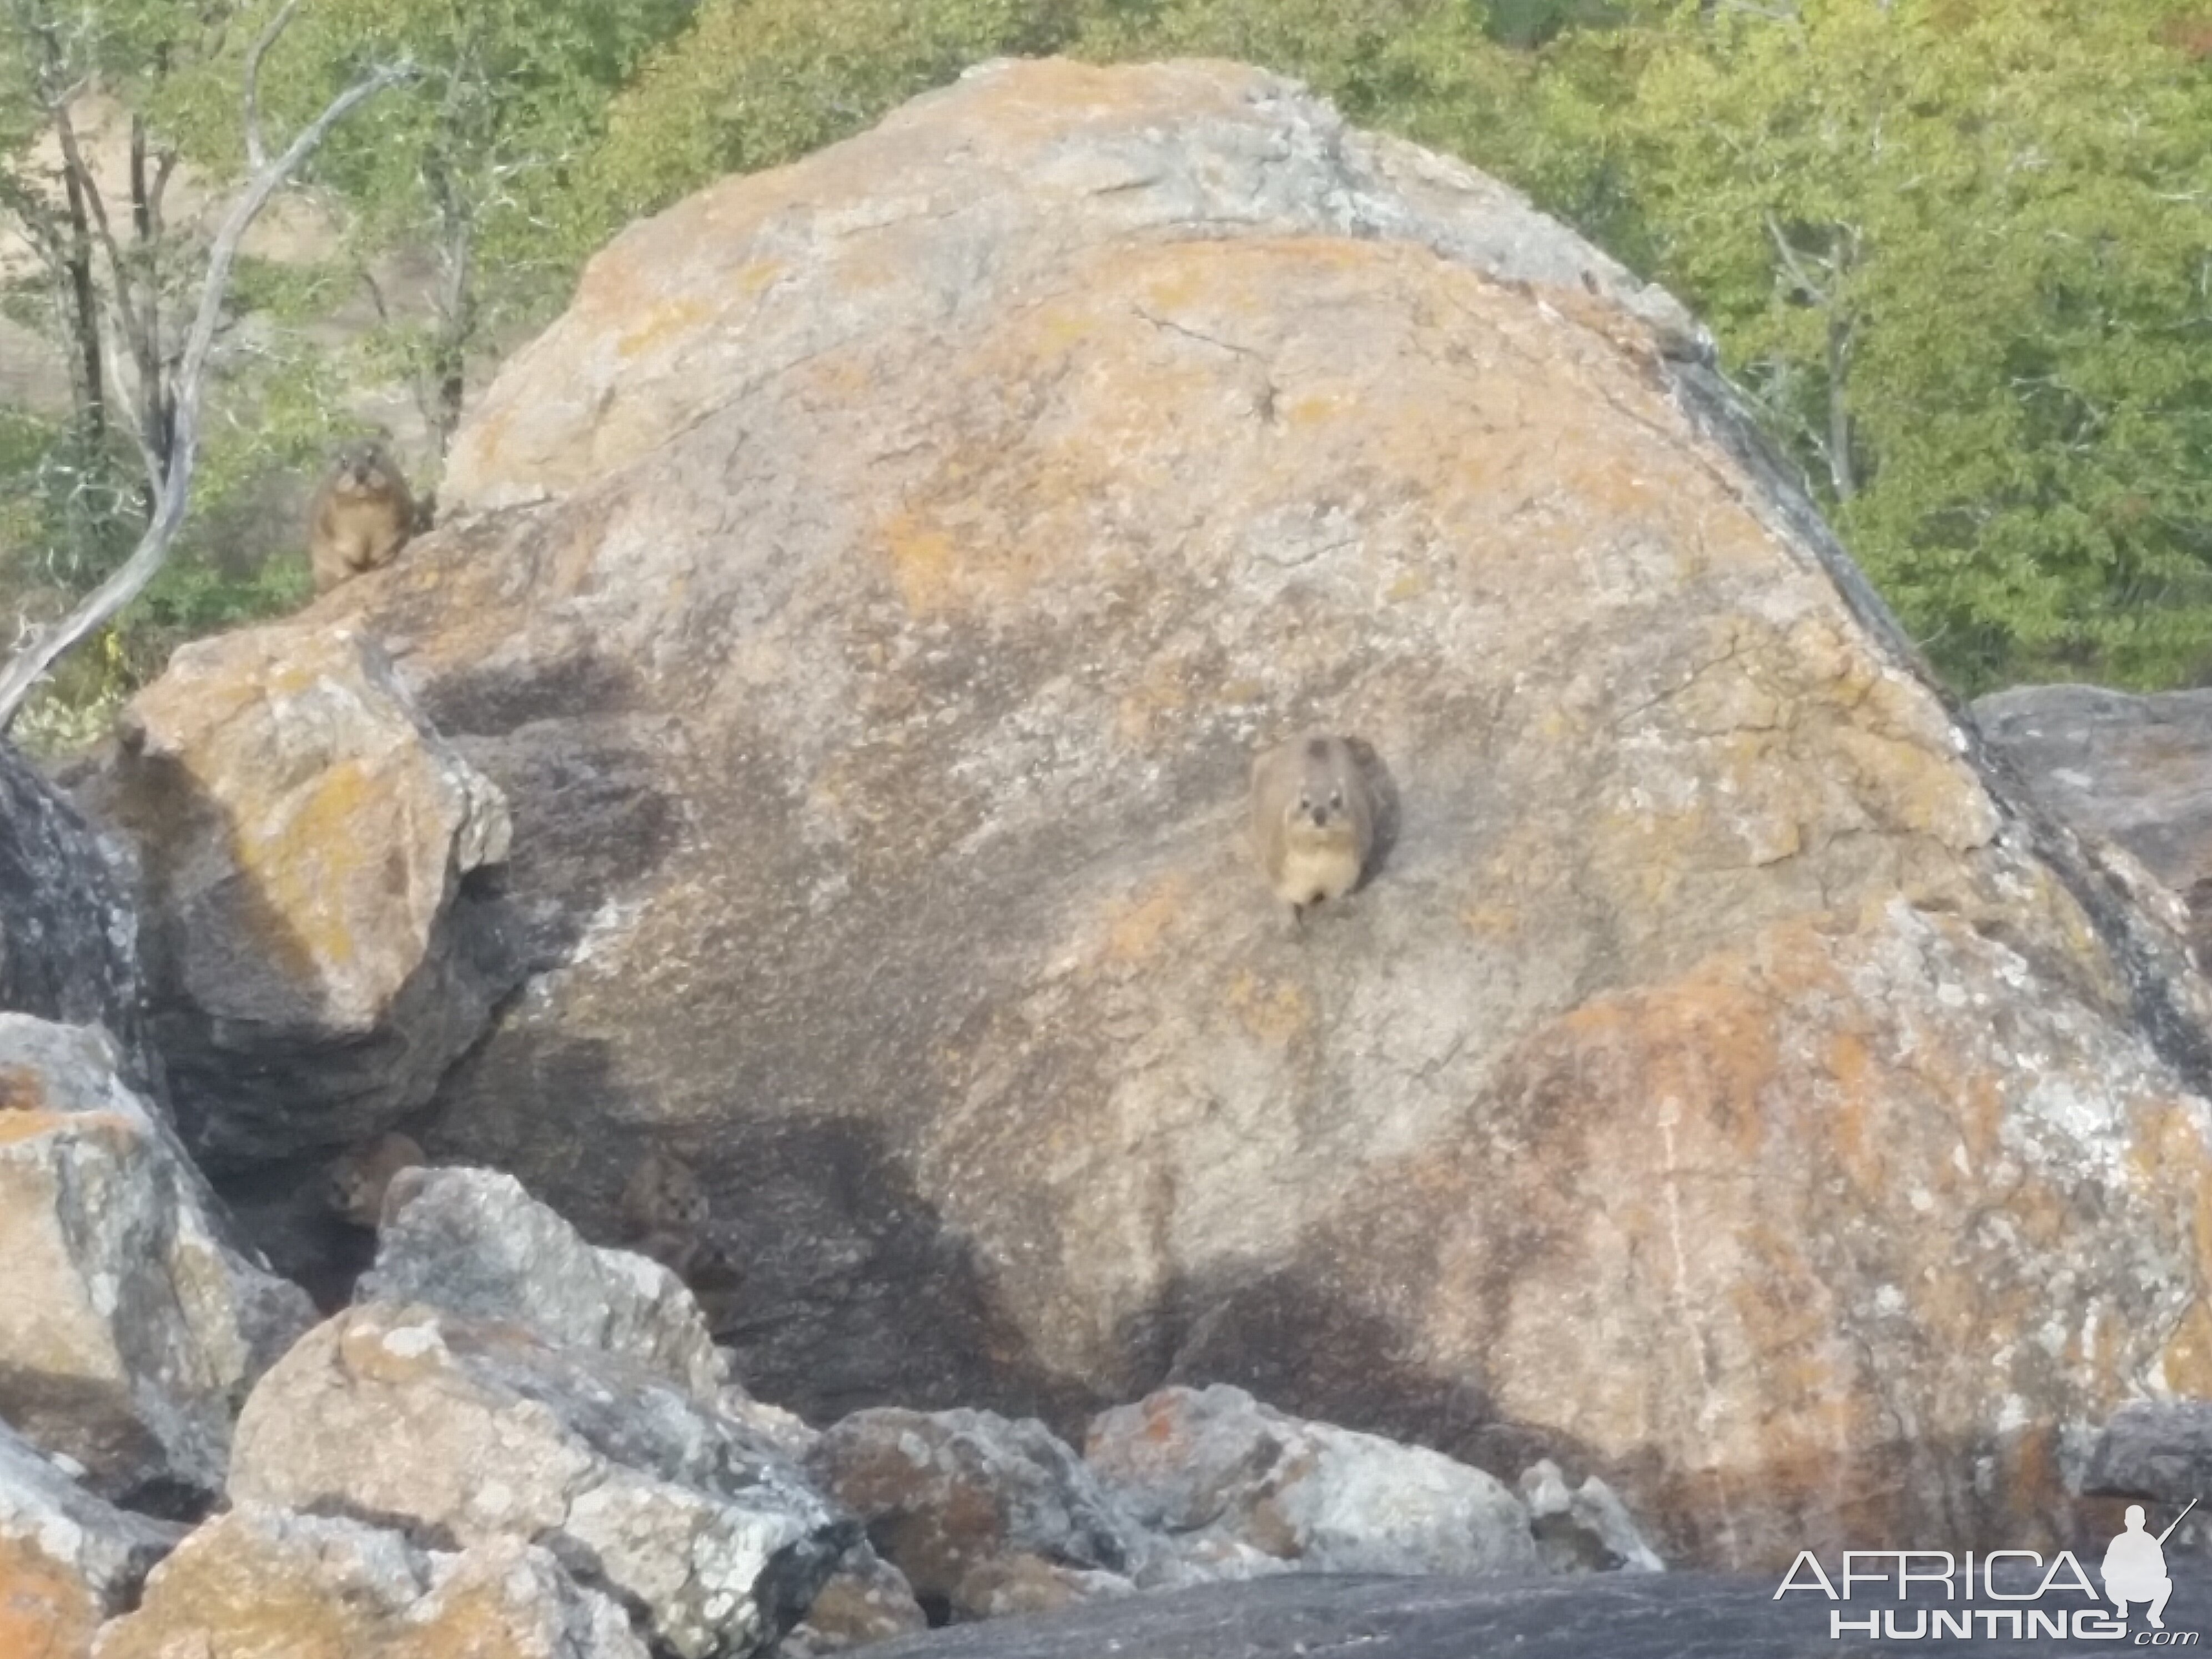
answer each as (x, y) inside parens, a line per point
(1336, 798)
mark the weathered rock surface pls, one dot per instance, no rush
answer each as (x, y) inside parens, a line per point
(1620, 1616)
(983, 1515)
(68, 940)
(2135, 769)
(129, 1330)
(470, 1430)
(68, 1559)
(262, 1582)
(1239, 1487)
(1723, 1085)
(303, 837)
(473, 1242)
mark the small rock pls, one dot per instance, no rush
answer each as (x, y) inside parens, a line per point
(474, 1430)
(263, 1581)
(68, 1559)
(983, 1513)
(866, 1599)
(1585, 1528)
(1222, 1475)
(131, 1330)
(474, 1243)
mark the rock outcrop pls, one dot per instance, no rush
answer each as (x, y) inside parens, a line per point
(473, 1242)
(68, 935)
(475, 1429)
(131, 1330)
(304, 838)
(259, 1581)
(68, 1559)
(867, 598)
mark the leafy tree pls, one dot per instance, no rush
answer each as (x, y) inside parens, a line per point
(475, 163)
(1959, 250)
(170, 470)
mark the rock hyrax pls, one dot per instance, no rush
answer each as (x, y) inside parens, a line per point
(362, 1174)
(1313, 819)
(361, 516)
(665, 1216)
(663, 1196)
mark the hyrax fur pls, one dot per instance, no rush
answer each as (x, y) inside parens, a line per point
(361, 516)
(361, 1175)
(665, 1216)
(1313, 819)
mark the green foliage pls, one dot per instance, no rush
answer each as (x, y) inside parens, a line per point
(753, 83)
(1998, 207)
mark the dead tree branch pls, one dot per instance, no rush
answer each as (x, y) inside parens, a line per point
(29, 665)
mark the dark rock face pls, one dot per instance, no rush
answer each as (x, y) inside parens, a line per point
(2138, 769)
(69, 949)
(2154, 1448)
(1621, 1616)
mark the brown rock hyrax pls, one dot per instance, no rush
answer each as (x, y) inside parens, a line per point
(361, 1175)
(665, 1216)
(361, 516)
(1313, 819)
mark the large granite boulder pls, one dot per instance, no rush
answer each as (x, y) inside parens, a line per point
(131, 1327)
(867, 598)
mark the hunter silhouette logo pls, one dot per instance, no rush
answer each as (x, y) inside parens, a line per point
(2134, 1566)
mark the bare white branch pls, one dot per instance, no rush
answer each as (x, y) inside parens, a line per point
(257, 155)
(28, 666)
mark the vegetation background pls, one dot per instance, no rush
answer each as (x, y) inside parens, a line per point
(1958, 251)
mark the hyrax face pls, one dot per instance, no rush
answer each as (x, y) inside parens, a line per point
(360, 1177)
(663, 1197)
(362, 470)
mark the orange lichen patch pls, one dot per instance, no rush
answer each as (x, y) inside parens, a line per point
(924, 562)
(2186, 1359)
(1490, 920)
(45, 1612)
(21, 1089)
(658, 324)
(27, 1124)
(1276, 1012)
(1136, 929)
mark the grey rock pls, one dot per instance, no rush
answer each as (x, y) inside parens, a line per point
(1585, 1528)
(474, 1243)
(468, 1430)
(983, 1514)
(1227, 1479)
(2154, 1448)
(52, 1529)
(131, 1329)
